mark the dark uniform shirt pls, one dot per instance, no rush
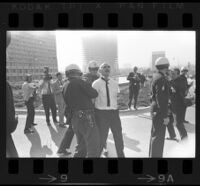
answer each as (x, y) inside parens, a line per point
(90, 78)
(177, 93)
(134, 79)
(184, 84)
(78, 94)
(160, 95)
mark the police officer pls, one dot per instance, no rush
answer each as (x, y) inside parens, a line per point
(92, 75)
(134, 87)
(159, 108)
(78, 96)
(177, 101)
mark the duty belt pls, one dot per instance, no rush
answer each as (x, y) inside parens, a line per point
(81, 113)
(87, 115)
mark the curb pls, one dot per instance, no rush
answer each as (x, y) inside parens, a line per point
(41, 112)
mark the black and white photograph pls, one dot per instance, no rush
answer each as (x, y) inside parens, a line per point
(100, 94)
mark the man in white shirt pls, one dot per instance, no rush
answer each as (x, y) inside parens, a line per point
(48, 99)
(29, 90)
(57, 88)
(106, 109)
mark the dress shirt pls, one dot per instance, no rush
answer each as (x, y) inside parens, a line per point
(44, 86)
(28, 90)
(101, 100)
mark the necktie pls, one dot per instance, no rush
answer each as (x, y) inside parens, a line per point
(107, 92)
(61, 83)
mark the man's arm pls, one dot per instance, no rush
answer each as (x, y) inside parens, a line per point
(88, 89)
(41, 84)
(160, 97)
(130, 76)
(56, 88)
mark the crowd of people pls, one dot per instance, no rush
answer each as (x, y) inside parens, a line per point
(89, 104)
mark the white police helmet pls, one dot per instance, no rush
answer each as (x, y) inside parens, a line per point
(184, 69)
(161, 63)
(72, 69)
(93, 65)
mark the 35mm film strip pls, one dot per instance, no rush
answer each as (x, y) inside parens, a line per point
(111, 17)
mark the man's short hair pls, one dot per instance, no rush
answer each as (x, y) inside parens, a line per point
(177, 70)
(27, 77)
(58, 73)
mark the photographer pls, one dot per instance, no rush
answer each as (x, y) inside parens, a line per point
(29, 90)
(47, 96)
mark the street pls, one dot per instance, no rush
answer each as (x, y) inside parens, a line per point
(136, 127)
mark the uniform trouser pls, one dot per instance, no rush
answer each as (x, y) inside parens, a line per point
(30, 112)
(49, 103)
(170, 127)
(185, 109)
(110, 119)
(179, 118)
(133, 94)
(61, 111)
(67, 139)
(87, 135)
(11, 151)
(157, 136)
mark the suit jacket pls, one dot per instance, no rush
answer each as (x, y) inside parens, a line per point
(57, 90)
(134, 79)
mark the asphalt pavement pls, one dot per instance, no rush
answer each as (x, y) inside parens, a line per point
(136, 128)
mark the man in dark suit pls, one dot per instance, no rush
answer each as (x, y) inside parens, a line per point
(11, 119)
(134, 87)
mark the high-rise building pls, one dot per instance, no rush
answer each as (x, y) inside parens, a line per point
(156, 55)
(101, 48)
(29, 52)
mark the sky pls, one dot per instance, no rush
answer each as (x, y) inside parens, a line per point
(134, 47)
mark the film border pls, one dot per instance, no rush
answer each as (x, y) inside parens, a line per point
(99, 16)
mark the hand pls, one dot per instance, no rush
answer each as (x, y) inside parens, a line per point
(166, 121)
(16, 118)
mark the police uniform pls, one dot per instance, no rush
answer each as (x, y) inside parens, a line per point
(78, 97)
(134, 87)
(178, 106)
(159, 110)
(170, 126)
(90, 78)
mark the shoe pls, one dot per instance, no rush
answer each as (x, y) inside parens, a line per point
(186, 122)
(63, 153)
(62, 125)
(34, 124)
(175, 139)
(28, 131)
(135, 108)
